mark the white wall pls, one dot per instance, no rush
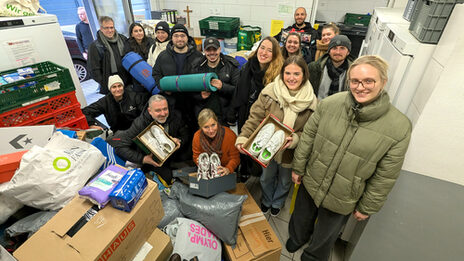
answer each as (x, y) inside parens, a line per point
(335, 10)
(252, 12)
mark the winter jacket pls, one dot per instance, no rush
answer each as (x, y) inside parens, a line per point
(125, 147)
(132, 46)
(119, 115)
(308, 48)
(155, 50)
(316, 70)
(99, 63)
(267, 103)
(350, 155)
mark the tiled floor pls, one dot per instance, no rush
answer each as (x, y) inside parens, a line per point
(280, 224)
(91, 94)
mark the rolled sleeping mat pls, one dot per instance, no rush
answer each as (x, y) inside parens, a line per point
(188, 82)
(140, 70)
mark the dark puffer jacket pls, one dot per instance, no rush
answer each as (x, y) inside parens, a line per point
(119, 115)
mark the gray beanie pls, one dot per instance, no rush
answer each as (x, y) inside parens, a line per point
(340, 40)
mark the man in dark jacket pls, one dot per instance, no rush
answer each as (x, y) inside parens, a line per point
(83, 33)
(105, 54)
(328, 74)
(171, 122)
(308, 34)
(120, 106)
(228, 72)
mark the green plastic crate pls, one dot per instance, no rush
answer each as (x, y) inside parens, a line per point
(220, 26)
(12, 95)
(357, 19)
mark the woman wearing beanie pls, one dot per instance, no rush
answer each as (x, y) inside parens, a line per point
(161, 41)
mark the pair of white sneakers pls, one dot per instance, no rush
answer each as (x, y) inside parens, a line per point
(159, 142)
(208, 166)
(267, 142)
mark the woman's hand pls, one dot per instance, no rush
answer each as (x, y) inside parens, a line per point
(223, 171)
(149, 160)
(216, 83)
(289, 141)
(359, 216)
(240, 148)
(296, 178)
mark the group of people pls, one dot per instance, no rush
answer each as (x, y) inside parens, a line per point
(348, 141)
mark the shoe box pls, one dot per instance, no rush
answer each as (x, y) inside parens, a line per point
(210, 187)
(256, 240)
(270, 118)
(109, 235)
(158, 247)
(16, 139)
(149, 149)
(9, 163)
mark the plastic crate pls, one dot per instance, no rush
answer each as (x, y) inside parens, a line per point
(357, 19)
(429, 19)
(220, 26)
(27, 115)
(66, 117)
(409, 10)
(13, 96)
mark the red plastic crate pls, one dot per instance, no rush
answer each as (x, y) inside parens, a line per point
(65, 117)
(36, 111)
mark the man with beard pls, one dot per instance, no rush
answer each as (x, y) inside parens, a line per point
(105, 54)
(227, 70)
(172, 123)
(327, 75)
(308, 34)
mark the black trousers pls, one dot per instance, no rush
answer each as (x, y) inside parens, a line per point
(323, 232)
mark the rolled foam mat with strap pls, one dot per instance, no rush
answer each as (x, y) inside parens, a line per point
(188, 82)
(139, 69)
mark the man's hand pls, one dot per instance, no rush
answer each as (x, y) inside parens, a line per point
(223, 171)
(96, 127)
(359, 216)
(216, 83)
(177, 141)
(296, 178)
(205, 95)
(149, 160)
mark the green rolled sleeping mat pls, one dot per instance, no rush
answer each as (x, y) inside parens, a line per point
(188, 82)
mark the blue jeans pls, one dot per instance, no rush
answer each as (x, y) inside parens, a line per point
(275, 184)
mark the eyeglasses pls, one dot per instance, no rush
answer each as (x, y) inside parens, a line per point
(108, 28)
(366, 83)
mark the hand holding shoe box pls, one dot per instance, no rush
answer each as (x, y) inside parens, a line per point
(154, 140)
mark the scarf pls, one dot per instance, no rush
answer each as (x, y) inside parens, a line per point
(256, 76)
(301, 100)
(213, 145)
(106, 42)
(321, 49)
(334, 74)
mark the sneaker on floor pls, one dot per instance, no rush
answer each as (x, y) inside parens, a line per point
(275, 212)
(261, 139)
(272, 147)
(291, 247)
(264, 209)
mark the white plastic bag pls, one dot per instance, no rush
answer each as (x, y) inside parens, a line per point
(191, 239)
(50, 177)
(19, 7)
(8, 206)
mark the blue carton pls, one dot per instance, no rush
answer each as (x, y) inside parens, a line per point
(129, 190)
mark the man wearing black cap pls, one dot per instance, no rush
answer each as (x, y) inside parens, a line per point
(227, 70)
(327, 75)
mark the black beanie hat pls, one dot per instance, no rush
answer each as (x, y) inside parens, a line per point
(162, 26)
(340, 40)
(179, 28)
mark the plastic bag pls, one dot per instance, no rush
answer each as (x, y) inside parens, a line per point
(50, 177)
(8, 206)
(30, 224)
(191, 239)
(19, 7)
(220, 213)
(171, 210)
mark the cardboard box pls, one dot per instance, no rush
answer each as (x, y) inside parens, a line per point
(16, 139)
(157, 248)
(110, 235)
(256, 240)
(278, 126)
(9, 163)
(210, 187)
(141, 142)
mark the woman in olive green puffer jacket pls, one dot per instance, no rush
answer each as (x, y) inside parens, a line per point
(348, 158)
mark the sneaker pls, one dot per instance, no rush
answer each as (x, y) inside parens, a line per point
(215, 163)
(291, 247)
(203, 166)
(166, 144)
(154, 144)
(275, 212)
(264, 209)
(272, 147)
(261, 139)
